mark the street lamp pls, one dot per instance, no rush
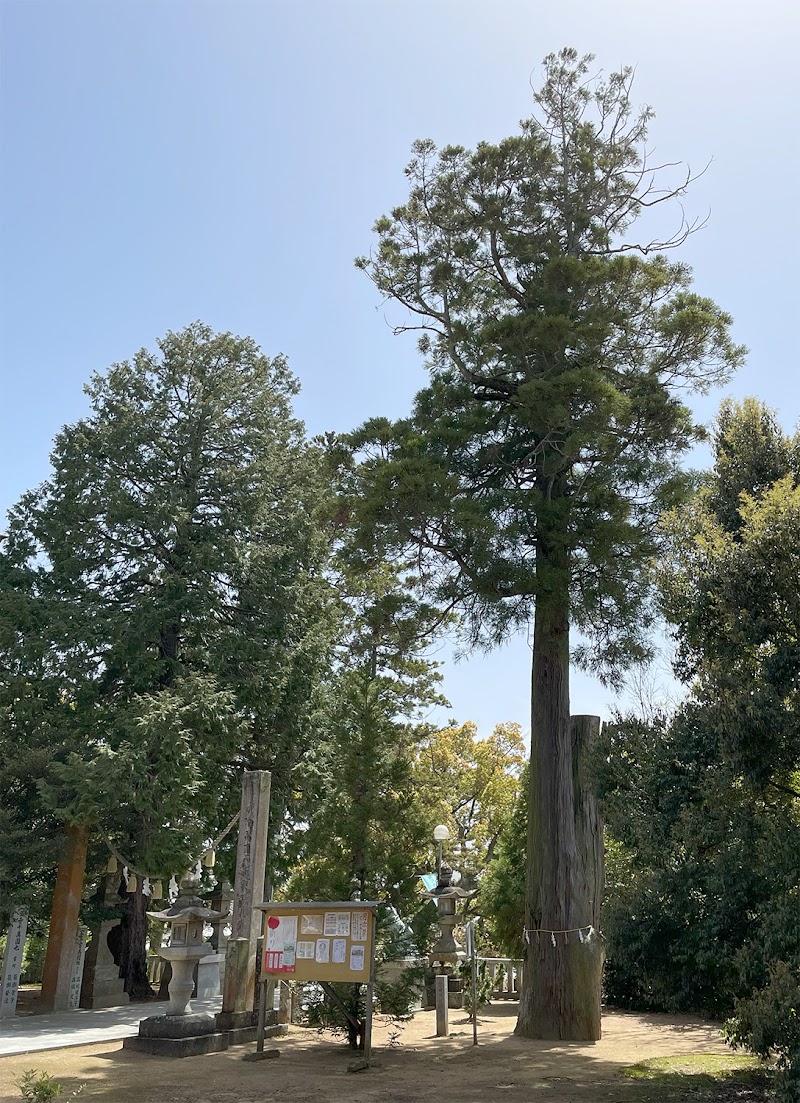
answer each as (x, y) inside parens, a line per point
(440, 833)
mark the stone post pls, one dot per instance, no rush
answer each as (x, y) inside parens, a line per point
(60, 957)
(12, 962)
(75, 980)
(442, 1024)
(251, 862)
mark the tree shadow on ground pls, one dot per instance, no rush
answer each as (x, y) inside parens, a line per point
(501, 1069)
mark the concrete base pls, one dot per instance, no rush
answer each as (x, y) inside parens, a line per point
(236, 1020)
(243, 1034)
(178, 1036)
(178, 1047)
(209, 976)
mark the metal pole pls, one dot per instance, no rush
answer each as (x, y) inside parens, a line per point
(439, 865)
(474, 999)
(474, 978)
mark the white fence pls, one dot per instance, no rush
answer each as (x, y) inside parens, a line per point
(506, 976)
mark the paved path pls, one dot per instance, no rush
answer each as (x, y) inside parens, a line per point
(30, 1033)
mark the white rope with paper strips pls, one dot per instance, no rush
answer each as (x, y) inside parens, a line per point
(585, 933)
(149, 881)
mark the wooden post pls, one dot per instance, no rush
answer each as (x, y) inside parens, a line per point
(251, 862)
(60, 957)
(370, 995)
(262, 1015)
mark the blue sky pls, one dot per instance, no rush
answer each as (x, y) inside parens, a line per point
(182, 159)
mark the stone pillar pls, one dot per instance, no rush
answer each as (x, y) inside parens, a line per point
(75, 980)
(251, 862)
(442, 1023)
(60, 958)
(12, 962)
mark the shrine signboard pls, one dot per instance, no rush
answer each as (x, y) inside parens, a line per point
(323, 942)
(331, 941)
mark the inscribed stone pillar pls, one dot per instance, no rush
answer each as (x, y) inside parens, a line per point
(251, 864)
(12, 962)
(60, 958)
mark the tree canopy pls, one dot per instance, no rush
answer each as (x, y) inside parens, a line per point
(173, 580)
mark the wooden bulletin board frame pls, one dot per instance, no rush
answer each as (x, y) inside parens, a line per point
(355, 917)
(334, 941)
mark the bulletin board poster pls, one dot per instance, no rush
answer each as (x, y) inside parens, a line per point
(319, 941)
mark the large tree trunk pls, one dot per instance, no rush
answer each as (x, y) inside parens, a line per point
(133, 950)
(64, 918)
(562, 974)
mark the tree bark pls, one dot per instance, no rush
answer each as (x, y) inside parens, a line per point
(64, 918)
(133, 949)
(561, 982)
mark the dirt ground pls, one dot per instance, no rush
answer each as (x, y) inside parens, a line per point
(418, 1066)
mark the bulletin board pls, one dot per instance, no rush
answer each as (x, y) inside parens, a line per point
(319, 941)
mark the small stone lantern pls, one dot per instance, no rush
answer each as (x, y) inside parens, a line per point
(186, 917)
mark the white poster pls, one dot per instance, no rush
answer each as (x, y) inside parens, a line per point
(343, 924)
(279, 954)
(323, 949)
(305, 951)
(339, 951)
(360, 927)
(331, 922)
(356, 959)
(311, 924)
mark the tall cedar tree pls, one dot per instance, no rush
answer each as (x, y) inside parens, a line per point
(173, 585)
(532, 469)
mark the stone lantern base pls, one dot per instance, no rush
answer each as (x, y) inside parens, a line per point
(178, 1036)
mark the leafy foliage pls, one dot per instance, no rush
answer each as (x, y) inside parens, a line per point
(768, 1023)
(705, 806)
(502, 896)
(470, 785)
(366, 823)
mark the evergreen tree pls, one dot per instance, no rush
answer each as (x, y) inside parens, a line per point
(180, 607)
(532, 469)
(366, 818)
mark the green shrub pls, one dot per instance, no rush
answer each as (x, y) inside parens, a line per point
(33, 959)
(483, 986)
(768, 1023)
(40, 1087)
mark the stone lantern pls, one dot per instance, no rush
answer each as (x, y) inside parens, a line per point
(180, 1033)
(186, 945)
(448, 897)
(447, 953)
